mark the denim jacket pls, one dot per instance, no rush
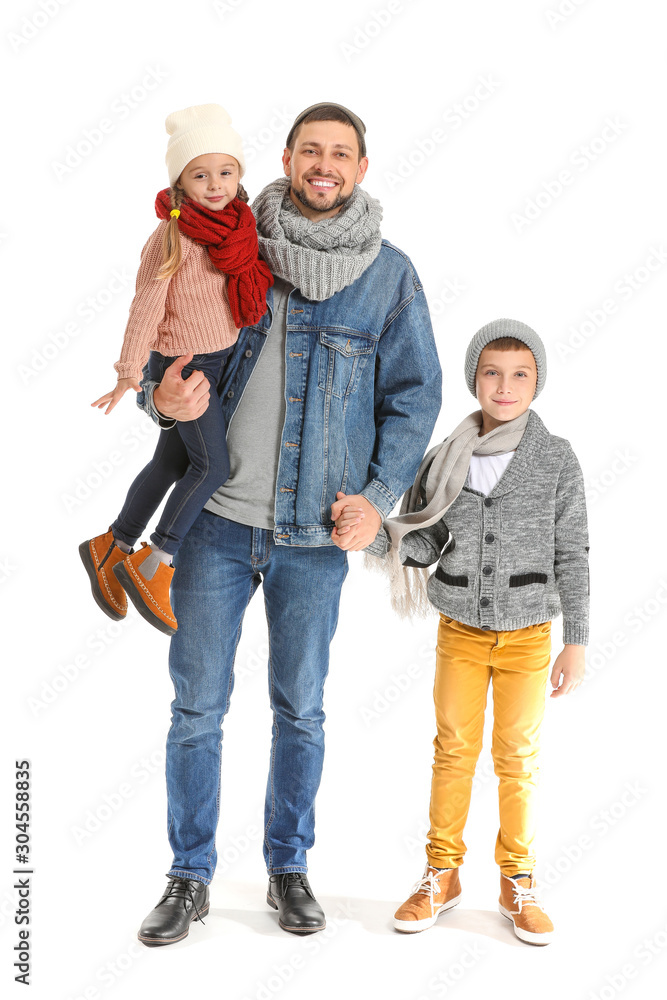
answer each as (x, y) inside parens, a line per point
(362, 388)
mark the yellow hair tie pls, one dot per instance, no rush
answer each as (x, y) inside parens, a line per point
(174, 213)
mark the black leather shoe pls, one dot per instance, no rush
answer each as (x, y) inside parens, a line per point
(184, 900)
(298, 910)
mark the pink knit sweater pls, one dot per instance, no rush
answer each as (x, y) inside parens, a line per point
(187, 312)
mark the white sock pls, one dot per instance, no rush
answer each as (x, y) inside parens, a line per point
(123, 546)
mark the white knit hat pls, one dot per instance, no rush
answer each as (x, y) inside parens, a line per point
(195, 131)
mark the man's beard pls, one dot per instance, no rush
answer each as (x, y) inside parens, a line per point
(304, 198)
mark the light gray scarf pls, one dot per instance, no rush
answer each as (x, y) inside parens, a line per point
(444, 470)
(318, 258)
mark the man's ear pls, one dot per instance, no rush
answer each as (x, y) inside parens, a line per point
(362, 168)
(287, 161)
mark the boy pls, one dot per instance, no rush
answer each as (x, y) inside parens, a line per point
(512, 554)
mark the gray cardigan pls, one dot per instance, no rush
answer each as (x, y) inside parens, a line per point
(519, 556)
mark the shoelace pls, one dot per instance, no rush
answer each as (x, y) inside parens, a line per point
(428, 884)
(180, 887)
(526, 894)
(289, 878)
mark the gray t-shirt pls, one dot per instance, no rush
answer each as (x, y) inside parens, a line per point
(255, 431)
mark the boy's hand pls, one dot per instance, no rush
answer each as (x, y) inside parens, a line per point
(357, 522)
(113, 397)
(182, 399)
(568, 670)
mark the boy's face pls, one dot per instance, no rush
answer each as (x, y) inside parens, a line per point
(505, 384)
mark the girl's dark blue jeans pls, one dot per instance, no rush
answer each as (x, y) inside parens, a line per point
(193, 454)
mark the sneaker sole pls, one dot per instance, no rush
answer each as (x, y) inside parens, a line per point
(134, 594)
(156, 942)
(91, 570)
(412, 926)
(528, 936)
(294, 930)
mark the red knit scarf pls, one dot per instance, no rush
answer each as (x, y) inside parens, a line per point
(230, 236)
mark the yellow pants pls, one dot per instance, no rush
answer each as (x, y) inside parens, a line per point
(517, 664)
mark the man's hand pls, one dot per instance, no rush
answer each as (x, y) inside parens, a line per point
(357, 522)
(110, 399)
(182, 399)
(568, 670)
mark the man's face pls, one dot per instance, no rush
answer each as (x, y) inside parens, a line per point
(323, 168)
(505, 382)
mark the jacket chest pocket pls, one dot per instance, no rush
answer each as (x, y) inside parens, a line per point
(342, 358)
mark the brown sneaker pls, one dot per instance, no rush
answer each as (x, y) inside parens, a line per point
(150, 597)
(435, 892)
(519, 902)
(99, 555)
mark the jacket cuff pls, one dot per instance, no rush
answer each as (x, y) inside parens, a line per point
(575, 634)
(379, 496)
(148, 405)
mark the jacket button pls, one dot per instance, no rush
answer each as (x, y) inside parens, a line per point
(486, 628)
(248, 353)
(487, 571)
(230, 394)
(488, 502)
(485, 602)
(490, 537)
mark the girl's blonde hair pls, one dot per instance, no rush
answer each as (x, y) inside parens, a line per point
(171, 241)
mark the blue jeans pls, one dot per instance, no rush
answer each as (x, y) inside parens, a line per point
(193, 454)
(218, 569)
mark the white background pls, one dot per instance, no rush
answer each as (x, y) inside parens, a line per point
(519, 94)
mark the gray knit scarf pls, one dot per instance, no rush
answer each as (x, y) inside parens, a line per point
(318, 258)
(440, 479)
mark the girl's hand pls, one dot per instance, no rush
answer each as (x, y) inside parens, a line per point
(568, 670)
(116, 394)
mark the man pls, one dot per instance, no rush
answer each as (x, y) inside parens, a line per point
(329, 401)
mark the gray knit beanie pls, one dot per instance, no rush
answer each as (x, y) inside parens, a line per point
(505, 328)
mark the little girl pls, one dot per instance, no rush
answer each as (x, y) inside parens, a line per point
(199, 282)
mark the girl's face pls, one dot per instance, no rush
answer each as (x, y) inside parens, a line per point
(211, 180)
